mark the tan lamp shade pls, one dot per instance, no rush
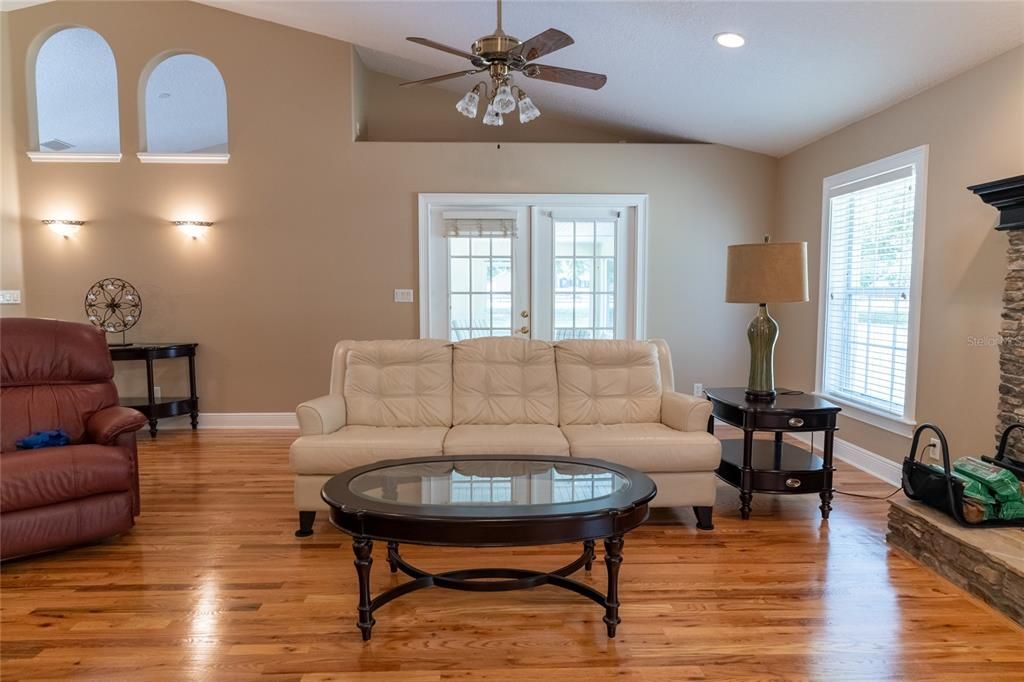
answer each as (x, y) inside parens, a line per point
(767, 273)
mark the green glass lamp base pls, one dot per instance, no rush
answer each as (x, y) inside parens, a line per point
(762, 334)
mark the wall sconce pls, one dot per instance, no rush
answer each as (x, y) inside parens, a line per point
(194, 228)
(65, 228)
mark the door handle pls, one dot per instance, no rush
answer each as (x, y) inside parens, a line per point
(524, 330)
(524, 314)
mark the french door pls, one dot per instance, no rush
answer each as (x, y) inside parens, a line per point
(503, 266)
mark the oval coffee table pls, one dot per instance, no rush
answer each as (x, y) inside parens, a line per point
(488, 501)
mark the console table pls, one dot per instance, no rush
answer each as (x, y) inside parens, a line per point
(150, 405)
(773, 466)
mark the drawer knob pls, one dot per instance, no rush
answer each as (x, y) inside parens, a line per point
(796, 422)
(792, 482)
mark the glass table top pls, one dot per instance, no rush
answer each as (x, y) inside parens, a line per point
(487, 482)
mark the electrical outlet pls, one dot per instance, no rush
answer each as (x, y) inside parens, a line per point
(156, 393)
(403, 296)
(10, 297)
(698, 390)
(934, 451)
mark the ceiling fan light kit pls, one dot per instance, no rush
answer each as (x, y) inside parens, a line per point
(501, 54)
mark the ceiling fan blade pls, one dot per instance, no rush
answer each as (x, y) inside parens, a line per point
(436, 79)
(427, 42)
(558, 74)
(542, 44)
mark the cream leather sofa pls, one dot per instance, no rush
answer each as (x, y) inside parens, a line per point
(611, 400)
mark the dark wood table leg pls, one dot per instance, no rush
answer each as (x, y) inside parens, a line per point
(392, 554)
(588, 549)
(151, 396)
(747, 475)
(826, 494)
(193, 393)
(363, 548)
(612, 560)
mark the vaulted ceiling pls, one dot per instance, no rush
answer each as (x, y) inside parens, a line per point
(808, 68)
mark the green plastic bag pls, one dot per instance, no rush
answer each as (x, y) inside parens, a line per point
(975, 490)
(1003, 484)
(1009, 511)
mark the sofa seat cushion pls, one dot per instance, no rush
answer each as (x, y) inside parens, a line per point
(650, 448)
(354, 446)
(510, 439)
(37, 478)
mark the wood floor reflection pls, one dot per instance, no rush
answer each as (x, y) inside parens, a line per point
(212, 585)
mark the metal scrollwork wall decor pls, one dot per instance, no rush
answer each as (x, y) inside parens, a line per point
(114, 305)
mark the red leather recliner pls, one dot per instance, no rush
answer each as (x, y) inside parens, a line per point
(59, 375)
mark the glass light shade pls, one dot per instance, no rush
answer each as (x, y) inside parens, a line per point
(468, 104)
(503, 100)
(492, 117)
(527, 110)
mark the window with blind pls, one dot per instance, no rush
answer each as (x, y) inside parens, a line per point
(873, 234)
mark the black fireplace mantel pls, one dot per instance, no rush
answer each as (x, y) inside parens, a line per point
(1007, 196)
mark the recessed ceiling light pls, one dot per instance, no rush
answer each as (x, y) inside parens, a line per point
(730, 39)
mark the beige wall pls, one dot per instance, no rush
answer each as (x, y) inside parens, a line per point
(314, 231)
(11, 276)
(974, 126)
(388, 108)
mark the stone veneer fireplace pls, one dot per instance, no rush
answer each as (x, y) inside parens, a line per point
(987, 562)
(1007, 196)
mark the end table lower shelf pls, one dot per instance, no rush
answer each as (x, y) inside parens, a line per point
(777, 467)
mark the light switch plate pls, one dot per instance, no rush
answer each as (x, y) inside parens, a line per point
(10, 297)
(403, 296)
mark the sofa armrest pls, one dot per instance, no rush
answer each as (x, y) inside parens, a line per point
(104, 426)
(684, 412)
(322, 415)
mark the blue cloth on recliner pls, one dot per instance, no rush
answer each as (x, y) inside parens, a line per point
(44, 439)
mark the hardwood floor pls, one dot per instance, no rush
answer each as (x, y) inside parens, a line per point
(211, 585)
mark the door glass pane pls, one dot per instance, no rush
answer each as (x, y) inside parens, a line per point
(583, 280)
(481, 274)
(563, 238)
(459, 314)
(480, 287)
(501, 275)
(459, 270)
(501, 247)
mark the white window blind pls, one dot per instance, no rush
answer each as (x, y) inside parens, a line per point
(868, 289)
(483, 224)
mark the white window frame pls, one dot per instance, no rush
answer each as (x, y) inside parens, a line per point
(635, 202)
(917, 157)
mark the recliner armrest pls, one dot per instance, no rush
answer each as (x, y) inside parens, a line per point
(322, 415)
(684, 412)
(105, 426)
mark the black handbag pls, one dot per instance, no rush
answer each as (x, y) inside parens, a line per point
(941, 490)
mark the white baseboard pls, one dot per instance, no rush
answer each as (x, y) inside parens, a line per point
(869, 462)
(233, 420)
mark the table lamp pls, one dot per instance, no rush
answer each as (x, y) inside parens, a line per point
(765, 273)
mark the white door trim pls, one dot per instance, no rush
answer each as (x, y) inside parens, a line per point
(638, 202)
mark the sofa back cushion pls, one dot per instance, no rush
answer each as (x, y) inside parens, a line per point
(608, 382)
(504, 381)
(398, 383)
(54, 375)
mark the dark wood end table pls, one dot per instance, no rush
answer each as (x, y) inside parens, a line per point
(149, 405)
(488, 501)
(759, 466)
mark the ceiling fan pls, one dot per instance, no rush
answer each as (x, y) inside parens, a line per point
(500, 55)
